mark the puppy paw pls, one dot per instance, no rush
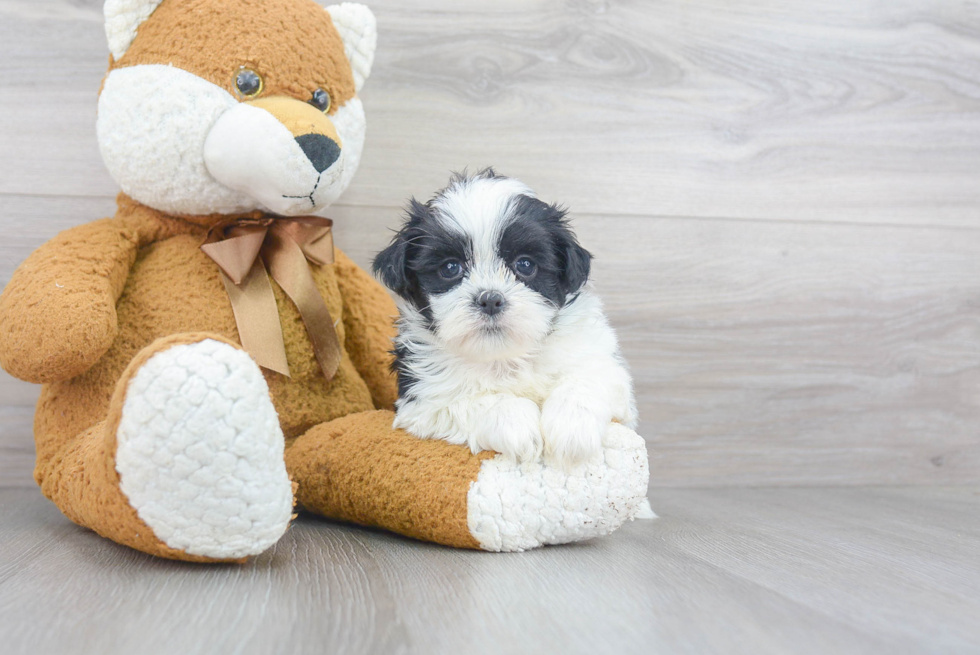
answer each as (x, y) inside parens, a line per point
(621, 399)
(511, 426)
(624, 411)
(572, 430)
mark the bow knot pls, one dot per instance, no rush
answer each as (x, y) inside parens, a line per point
(248, 251)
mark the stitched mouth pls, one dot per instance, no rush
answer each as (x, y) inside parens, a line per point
(309, 197)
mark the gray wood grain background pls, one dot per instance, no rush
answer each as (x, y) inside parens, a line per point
(784, 201)
(783, 198)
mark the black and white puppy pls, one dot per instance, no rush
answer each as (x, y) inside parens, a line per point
(502, 344)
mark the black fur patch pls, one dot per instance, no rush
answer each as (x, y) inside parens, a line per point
(410, 265)
(541, 232)
(405, 378)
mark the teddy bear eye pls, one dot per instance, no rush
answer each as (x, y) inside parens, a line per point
(248, 82)
(321, 100)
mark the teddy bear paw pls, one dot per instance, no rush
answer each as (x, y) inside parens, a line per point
(514, 507)
(200, 452)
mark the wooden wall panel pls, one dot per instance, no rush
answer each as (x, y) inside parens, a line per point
(832, 111)
(782, 197)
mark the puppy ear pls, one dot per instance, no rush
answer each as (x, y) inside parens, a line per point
(391, 264)
(576, 262)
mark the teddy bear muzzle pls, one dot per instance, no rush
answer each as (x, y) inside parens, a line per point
(284, 153)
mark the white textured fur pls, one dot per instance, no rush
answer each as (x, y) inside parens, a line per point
(359, 31)
(515, 507)
(162, 130)
(270, 166)
(549, 379)
(152, 124)
(122, 18)
(200, 452)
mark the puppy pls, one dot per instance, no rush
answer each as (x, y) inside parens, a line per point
(502, 344)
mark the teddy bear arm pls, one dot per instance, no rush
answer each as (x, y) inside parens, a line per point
(369, 314)
(58, 312)
(360, 468)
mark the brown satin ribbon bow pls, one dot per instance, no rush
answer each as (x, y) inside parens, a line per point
(243, 249)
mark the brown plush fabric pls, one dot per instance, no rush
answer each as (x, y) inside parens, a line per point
(359, 469)
(369, 319)
(299, 118)
(58, 320)
(174, 288)
(215, 38)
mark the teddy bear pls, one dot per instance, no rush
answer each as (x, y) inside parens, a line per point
(210, 362)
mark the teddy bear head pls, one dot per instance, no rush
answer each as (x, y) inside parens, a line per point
(214, 107)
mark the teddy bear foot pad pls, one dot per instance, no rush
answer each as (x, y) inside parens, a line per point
(200, 452)
(515, 507)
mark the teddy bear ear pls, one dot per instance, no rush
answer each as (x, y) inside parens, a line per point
(359, 31)
(122, 17)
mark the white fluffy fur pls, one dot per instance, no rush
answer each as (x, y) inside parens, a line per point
(548, 379)
(152, 124)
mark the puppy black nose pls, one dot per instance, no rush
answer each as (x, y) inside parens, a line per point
(322, 151)
(490, 302)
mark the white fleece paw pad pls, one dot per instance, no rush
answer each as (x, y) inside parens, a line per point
(200, 452)
(515, 507)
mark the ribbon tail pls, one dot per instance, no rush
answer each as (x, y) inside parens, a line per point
(236, 255)
(289, 268)
(257, 317)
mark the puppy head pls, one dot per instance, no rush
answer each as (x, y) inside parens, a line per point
(484, 266)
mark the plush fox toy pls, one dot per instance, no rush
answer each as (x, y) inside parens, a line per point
(208, 359)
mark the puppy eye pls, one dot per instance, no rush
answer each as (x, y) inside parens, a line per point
(525, 267)
(248, 83)
(450, 270)
(321, 100)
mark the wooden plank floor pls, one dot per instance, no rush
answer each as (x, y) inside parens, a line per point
(816, 570)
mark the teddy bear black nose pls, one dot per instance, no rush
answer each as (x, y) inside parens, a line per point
(322, 151)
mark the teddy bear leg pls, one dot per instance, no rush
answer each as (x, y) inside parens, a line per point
(358, 468)
(188, 464)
